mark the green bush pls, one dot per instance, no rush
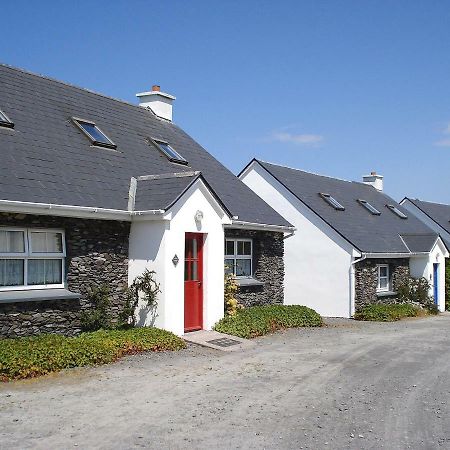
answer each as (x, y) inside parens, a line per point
(259, 320)
(388, 313)
(35, 356)
(447, 284)
(97, 316)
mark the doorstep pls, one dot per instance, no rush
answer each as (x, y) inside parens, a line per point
(218, 341)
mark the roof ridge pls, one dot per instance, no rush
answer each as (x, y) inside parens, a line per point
(309, 172)
(426, 201)
(65, 83)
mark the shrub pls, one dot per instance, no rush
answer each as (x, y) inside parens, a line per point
(230, 290)
(415, 290)
(260, 320)
(35, 356)
(98, 316)
(387, 313)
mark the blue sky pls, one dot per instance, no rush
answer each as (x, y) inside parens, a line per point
(334, 87)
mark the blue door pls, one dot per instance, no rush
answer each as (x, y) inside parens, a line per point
(436, 283)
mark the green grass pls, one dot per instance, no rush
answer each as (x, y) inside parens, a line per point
(40, 355)
(388, 313)
(259, 320)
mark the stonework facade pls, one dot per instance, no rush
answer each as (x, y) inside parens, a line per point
(366, 280)
(96, 254)
(268, 267)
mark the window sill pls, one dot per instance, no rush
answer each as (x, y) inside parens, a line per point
(248, 281)
(37, 295)
(386, 293)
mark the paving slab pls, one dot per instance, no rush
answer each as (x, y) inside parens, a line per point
(218, 341)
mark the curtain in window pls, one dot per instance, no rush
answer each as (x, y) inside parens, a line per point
(11, 272)
(46, 242)
(12, 242)
(44, 271)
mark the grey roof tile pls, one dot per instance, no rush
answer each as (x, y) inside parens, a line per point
(367, 232)
(48, 159)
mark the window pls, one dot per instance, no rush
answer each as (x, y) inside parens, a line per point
(31, 258)
(332, 201)
(383, 278)
(4, 121)
(94, 133)
(369, 207)
(172, 155)
(238, 257)
(395, 210)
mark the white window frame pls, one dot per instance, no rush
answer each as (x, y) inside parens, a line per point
(235, 256)
(379, 277)
(29, 254)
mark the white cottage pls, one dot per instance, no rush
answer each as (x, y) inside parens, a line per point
(354, 244)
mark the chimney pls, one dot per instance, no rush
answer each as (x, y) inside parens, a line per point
(159, 102)
(374, 180)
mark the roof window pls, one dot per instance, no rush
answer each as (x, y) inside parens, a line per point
(171, 154)
(395, 210)
(332, 201)
(369, 207)
(4, 121)
(93, 132)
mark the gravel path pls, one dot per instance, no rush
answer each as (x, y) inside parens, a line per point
(350, 385)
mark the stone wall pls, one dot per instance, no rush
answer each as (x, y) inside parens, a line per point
(366, 278)
(97, 253)
(268, 267)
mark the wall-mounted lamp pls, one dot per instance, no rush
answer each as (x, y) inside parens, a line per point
(198, 216)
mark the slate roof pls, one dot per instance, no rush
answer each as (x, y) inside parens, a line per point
(437, 212)
(366, 232)
(47, 159)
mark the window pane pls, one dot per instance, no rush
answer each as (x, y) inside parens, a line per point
(94, 132)
(186, 270)
(229, 265)
(3, 117)
(46, 242)
(194, 248)
(170, 152)
(247, 248)
(44, 271)
(383, 283)
(383, 271)
(229, 247)
(243, 268)
(11, 272)
(194, 275)
(12, 241)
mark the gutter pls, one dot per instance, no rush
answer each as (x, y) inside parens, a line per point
(85, 212)
(240, 224)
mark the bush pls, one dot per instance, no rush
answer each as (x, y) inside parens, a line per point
(35, 356)
(447, 284)
(97, 317)
(259, 320)
(415, 290)
(230, 290)
(388, 313)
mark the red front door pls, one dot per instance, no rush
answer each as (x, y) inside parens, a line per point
(193, 282)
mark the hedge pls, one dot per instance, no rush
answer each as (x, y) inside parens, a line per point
(259, 320)
(34, 356)
(388, 313)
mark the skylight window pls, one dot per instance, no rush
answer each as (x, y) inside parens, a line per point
(93, 132)
(4, 121)
(170, 152)
(369, 207)
(332, 201)
(395, 210)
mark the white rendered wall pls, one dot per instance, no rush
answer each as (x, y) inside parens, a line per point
(154, 244)
(422, 266)
(317, 261)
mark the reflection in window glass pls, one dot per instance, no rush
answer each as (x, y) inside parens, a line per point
(243, 267)
(46, 242)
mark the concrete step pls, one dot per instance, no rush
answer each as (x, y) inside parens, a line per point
(218, 341)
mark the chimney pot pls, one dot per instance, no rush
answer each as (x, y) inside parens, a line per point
(373, 173)
(374, 180)
(156, 88)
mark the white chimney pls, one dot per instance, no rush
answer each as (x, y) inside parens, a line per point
(374, 180)
(159, 102)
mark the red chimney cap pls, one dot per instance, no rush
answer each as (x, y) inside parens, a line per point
(373, 173)
(156, 88)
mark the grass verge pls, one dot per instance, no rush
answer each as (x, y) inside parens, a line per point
(34, 356)
(259, 320)
(389, 313)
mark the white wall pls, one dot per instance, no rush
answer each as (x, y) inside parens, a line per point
(317, 260)
(153, 244)
(422, 266)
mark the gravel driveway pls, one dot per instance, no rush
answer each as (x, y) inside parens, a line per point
(350, 385)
